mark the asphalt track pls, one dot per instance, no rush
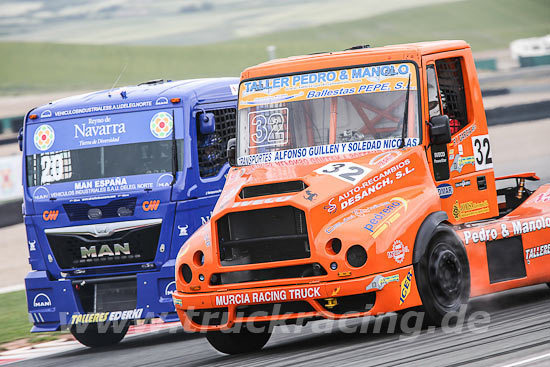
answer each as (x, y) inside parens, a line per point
(503, 329)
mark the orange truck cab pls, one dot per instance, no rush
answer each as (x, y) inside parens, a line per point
(362, 183)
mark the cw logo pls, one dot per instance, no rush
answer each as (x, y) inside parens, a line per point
(150, 206)
(50, 215)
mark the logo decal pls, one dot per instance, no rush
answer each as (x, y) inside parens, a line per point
(170, 288)
(46, 114)
(41, 300)
(105, 250)
(161, 125)
(398, 252)
(405, 287)
(44, 137)
(445, 191)
(469, 209)
(183, 230)
(385, 216)
(311, 196)
(537, 251)
(330, 207)
(150, 206)
(50, 215)
(379, 282)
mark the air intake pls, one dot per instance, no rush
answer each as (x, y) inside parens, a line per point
(272, 189)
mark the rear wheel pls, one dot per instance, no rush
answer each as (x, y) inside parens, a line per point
(243, 341)
(95, 336)
(443, 275)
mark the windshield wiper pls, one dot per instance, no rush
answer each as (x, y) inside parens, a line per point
(406, 114)
(175, 150)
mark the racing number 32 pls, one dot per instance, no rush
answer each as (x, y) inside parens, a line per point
(345, 171)
(482, 152)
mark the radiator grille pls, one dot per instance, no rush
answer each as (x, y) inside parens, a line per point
(263, 235)
(124, 247)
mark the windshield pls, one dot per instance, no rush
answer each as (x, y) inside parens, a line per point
(329, 112)
(102, 154)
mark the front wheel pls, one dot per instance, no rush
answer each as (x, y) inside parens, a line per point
(95, 336)
(236, 342)
(443, 275)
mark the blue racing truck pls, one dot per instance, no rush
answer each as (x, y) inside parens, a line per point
(114, 183)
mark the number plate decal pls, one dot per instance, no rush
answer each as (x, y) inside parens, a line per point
(345, 171)
(482, 152)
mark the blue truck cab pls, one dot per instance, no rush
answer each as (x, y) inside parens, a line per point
(114, 183)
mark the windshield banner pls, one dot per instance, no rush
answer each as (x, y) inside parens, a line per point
(104, 130)
(100, 186)
(326, 150)
(331, 83)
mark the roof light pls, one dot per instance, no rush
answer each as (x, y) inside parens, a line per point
(175, 100)
(33, 116)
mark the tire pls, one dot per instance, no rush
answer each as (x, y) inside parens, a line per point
(443, 275)
(243, 341)
(548, 284)
(95, 336)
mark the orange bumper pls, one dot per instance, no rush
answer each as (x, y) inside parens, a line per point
(393, 291)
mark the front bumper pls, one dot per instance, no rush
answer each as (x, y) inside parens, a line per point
(390, 291)
(53, 304)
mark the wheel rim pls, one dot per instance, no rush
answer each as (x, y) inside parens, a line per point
(446, 278)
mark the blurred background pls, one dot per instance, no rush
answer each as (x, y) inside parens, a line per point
(57, 48)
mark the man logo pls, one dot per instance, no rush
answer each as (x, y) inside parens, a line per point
(170, 288)
(50, 215)
(150, 206)
(105, 250)
(41, 300)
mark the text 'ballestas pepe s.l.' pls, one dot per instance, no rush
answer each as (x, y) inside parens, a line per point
(362, 183)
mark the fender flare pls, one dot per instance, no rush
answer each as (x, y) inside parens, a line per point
(424, 234)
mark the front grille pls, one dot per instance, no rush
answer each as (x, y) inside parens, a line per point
(79, 211)
(122, 247)
(107, 296)
(283, 272)
(272, 189)
(209, 316)
(263, 235)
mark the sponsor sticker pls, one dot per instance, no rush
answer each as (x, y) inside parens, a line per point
(459, 162)
(44, 137)
(463, 183)
(535, 252)
(161, 125)
(382, 218)
(379, 282)
(469, 209)
(398, 251)
(405, 287)
(506, 229)
(444, 191)
(94, 317)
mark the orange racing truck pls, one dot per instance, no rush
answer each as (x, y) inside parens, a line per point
(362, 183)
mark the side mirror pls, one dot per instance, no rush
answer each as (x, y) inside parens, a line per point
(440, 130)
(207, 123)
(231, 145)
(20, 139)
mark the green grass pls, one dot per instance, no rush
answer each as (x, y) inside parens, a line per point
(43, 67)
(14, 319)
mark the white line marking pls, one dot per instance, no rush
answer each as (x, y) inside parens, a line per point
(525, 361)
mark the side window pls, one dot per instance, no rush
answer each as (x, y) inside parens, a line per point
(433, 92)
(212, 147)
(451, 89)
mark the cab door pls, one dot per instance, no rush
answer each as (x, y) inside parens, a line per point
(463, 169)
